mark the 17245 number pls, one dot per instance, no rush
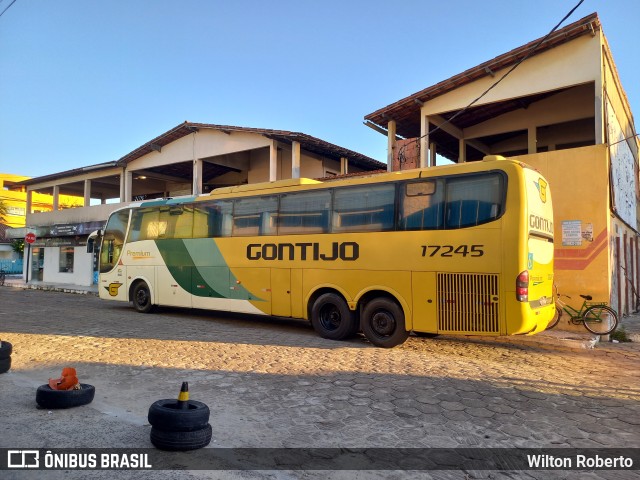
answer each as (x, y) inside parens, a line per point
(451, 250)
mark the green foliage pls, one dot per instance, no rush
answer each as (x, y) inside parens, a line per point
(18, 246)
(620, 334)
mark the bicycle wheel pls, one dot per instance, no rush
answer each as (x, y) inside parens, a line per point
(600, 319)
(554, 321)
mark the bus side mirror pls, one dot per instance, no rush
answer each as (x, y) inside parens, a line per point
(90, 244)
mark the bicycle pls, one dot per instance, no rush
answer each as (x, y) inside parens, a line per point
(3, 275)
(597, 317)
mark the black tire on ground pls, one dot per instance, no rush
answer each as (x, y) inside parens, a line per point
(142, 298)
(600, 319)
(180, 441)
(5, 349)
(5, 364)
(165, 415)
(331, 317)
(556, 318)
(383, 323)
(46, 397)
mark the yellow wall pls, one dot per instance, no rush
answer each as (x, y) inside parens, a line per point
(579, 183)
(16, 201)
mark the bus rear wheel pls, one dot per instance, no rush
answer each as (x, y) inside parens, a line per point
(331, 317)
(383, 323)
(142, 298)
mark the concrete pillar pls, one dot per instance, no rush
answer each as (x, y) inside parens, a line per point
(424, 140)
(197, 176)
(273, 161)
(126, 186)
(462, 147)
(391, 144)
(344, 166)
(295, 160)
(532, 140)
(56, 198)
(29, 202)
(432, 154)
(87, 193)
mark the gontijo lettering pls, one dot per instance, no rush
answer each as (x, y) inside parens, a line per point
(540, 223)
(346, 251)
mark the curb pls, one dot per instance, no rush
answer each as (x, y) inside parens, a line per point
(52, 288)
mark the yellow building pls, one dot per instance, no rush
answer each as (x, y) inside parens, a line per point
(558, 104)
(14, 197)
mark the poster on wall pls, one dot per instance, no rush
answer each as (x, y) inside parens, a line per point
(623, 170)
(571, 233)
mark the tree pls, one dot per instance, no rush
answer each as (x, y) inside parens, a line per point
(17, 246)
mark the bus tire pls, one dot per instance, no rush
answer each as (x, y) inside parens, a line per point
(383, 323)
(142, 298)
(5, 350)
(331, 317)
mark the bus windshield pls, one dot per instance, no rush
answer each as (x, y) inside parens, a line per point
(113, 240)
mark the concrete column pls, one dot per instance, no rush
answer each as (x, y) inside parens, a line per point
(87, 193)
(56, 198)
(391, 144)
(344, 166)
(432, 154)
(532, 140)
(295, 160)
(424, 140)
(29, 203)
(273, 161)
(126, 186)
(462, 147)
(197, 176)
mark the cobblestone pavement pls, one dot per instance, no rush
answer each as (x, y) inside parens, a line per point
(274, 383)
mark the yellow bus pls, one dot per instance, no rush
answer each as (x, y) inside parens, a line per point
(459, 249)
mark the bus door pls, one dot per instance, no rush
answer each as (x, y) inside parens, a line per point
(281, 292)
(425, 314)
(174, 286)
(254, 284)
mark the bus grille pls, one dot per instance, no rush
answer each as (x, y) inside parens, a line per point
(468, 303)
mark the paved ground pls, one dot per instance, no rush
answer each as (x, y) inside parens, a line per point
(274, 383)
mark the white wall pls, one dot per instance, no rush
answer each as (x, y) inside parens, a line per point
(82, 267)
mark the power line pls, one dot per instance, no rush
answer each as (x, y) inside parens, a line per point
(14, 1)
(517, 64)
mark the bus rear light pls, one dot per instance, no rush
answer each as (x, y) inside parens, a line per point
(522, 286)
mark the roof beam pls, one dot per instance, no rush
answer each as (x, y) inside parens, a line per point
(454, 131)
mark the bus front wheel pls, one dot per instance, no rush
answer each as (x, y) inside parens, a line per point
(142, 298)
(383, 323)
(331, 317)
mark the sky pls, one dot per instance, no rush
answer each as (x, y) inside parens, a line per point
(85, 82)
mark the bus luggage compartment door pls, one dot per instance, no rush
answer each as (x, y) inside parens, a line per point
(425, 315)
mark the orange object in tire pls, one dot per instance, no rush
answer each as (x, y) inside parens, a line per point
(67, 381)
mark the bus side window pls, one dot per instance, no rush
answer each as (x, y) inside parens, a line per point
(422, 205)
(474, 200)
(253, 216)
(213, 219)
(362, 209)
(304, 212)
